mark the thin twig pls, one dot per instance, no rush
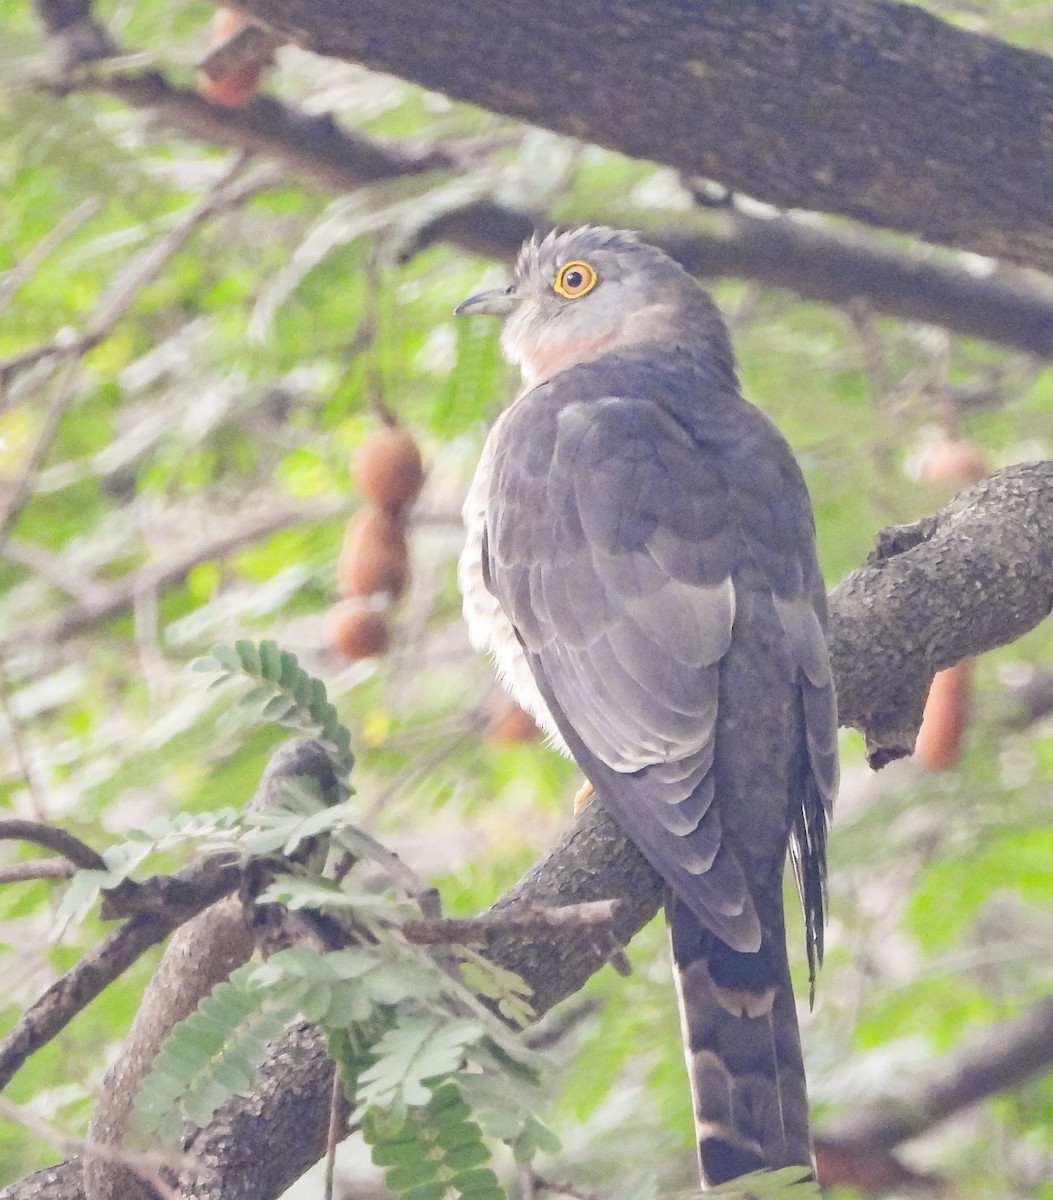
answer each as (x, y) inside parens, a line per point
(141, 271)
(146, 1164)
(120, 596)
(335, 1133)
(563, 1189)
(61, 399)
(53, 569)
(13, 279)
(362, 845)
(22, 756)
(37, 868)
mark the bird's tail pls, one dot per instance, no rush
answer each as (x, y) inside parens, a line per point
(743, 1051)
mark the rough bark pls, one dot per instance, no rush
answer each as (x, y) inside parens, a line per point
(978, 574)
(871, 109)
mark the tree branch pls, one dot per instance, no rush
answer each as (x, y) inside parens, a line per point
(973, 576)
(976, 575)
(859, 1147)
(867, 108)
(79, 853)
(109, 599)
(206, 882)
(815, 263)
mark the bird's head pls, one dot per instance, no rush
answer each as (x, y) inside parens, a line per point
(592, 291)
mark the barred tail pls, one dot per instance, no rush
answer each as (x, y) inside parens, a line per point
(743, 1051)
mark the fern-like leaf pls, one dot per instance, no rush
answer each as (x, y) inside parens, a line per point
(285, 693)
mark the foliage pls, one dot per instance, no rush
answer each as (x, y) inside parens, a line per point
(239, 383)
(288, 695)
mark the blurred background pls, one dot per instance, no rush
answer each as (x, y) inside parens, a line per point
(198, 345)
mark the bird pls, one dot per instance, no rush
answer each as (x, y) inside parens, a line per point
(641, 564)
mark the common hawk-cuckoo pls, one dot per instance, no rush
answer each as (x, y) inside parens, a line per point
(641, 564)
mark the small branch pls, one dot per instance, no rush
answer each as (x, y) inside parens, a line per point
(54, 570)
(37, 868)
(71, 848)
(37, 796)
(816, 263)
(488, 928)
(12, 280)
(266, 126)
(996, 1058)
(120, 596)
(206, 881)
(146, 1164)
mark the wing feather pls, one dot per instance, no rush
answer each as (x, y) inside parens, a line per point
(620, 536)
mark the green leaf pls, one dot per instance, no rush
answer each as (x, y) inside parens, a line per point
(270, 661)
(249, 657)
(411, 1174)
(419, 1048)
(480, 1180)
(786, 1183)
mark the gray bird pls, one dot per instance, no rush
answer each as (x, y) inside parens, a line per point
(641, 564)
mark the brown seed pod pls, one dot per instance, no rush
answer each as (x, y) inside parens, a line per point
(356, 631)
(390, 471)
(508, 722)
(946, 718)
(236, 87)
(953, 460)
(374, 557)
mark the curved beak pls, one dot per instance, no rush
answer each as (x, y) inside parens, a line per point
(497, 303)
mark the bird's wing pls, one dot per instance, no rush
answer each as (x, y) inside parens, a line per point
(614, 530)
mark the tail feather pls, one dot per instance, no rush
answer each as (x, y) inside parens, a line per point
(743, 1051)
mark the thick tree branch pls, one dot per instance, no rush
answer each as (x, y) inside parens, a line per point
(815, 263)
(977, 575)
(868, 108)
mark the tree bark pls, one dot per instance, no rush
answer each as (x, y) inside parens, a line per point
(871, 109)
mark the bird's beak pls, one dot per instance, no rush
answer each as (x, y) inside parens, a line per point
(497, 303)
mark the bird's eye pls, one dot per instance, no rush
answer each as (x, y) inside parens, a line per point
(574, 280)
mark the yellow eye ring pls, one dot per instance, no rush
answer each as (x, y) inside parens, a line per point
(574, 280)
